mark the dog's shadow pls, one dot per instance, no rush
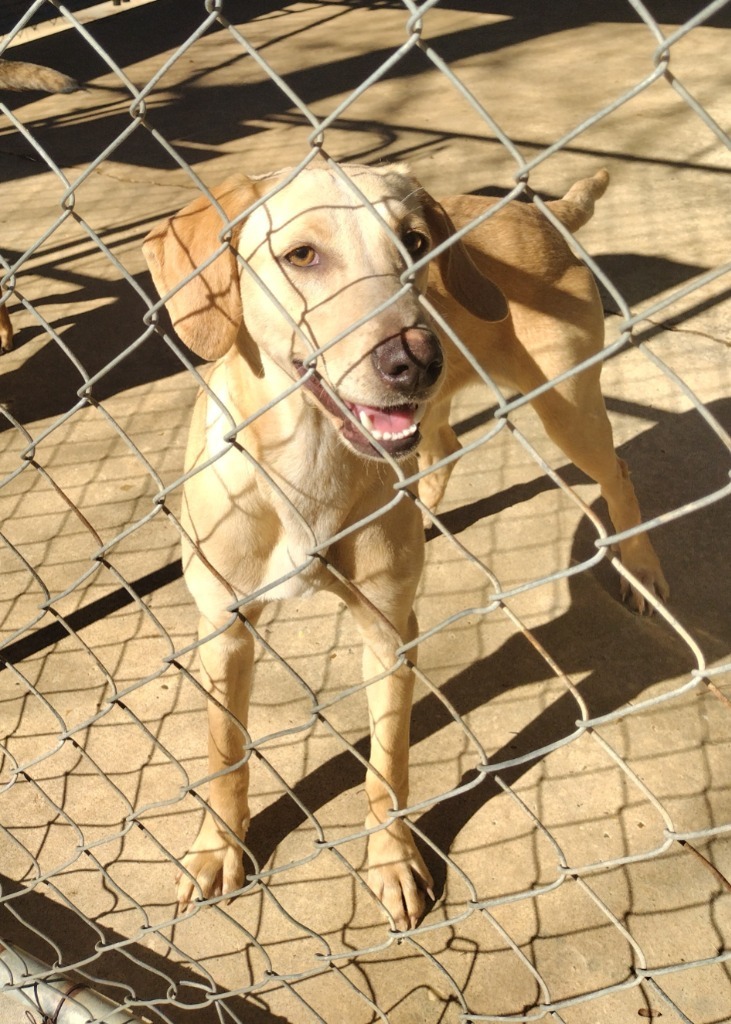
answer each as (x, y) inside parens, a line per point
(635, 653)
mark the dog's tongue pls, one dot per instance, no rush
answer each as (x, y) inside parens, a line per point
(392, 421)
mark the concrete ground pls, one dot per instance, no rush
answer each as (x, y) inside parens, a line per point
(592, 876)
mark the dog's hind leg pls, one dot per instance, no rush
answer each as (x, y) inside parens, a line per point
(575, 418)
(6, 329)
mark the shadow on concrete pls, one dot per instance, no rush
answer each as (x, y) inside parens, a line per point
(623, 653)
(667, 469)
(56, 934)
(47, 383)
(199, 116)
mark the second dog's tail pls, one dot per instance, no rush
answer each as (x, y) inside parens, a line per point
(19, 76)
(577, 206)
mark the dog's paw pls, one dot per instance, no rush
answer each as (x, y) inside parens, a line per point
(213, 867)
(656, 584)
(643, 563)
(398, 876)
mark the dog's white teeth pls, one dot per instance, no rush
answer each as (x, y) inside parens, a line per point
(386, 435)
(419, 415)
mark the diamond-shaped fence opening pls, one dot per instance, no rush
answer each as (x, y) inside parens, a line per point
(569, 758)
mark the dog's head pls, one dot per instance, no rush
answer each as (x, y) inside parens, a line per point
(322, 276)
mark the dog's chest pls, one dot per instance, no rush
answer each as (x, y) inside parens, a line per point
(294, 568)
(265, 513)
(297, 561)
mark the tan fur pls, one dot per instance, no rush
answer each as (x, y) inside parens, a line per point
(19, 76)
(526, 309)
(6, 328)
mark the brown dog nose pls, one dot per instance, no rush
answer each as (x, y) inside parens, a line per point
(409, 362)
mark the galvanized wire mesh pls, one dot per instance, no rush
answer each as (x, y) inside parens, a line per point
(554, 818)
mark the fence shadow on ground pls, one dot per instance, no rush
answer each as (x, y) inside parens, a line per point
(684, 546)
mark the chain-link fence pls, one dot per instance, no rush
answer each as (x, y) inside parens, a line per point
(570, 760)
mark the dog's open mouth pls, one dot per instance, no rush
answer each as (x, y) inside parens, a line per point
(395, 427)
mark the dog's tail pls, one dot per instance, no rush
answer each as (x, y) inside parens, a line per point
(19, 76)
(577, 206)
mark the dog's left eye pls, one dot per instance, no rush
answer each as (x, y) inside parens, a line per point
(302, 256)
(415, 242)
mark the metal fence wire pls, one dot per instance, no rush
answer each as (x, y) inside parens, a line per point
(570, 760)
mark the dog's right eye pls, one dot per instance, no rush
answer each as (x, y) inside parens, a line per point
(415, 242)
(302, 256)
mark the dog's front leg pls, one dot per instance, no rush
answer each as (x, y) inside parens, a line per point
(438, 442)
(396, 871)
(214, 864)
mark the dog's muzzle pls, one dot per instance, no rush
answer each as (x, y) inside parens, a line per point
(409, 364)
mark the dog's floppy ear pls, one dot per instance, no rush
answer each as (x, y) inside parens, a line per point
(461, 277)
(206, 312)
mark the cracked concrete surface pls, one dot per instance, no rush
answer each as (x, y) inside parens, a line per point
(550, 928)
